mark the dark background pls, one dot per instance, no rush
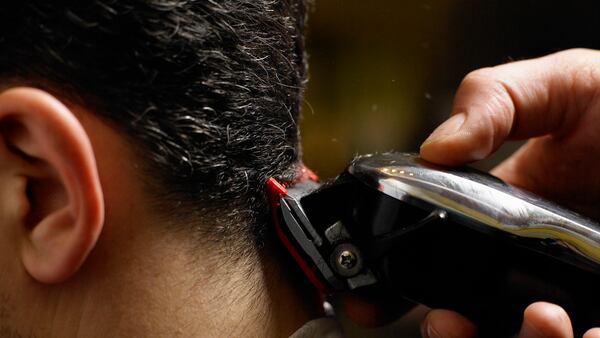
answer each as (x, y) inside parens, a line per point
(383, 73)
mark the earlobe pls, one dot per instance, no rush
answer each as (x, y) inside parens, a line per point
(65, 210)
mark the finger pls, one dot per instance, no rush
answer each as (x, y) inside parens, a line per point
(517, 100)
(521, 168)
(545, 320)
(558, 169)
(592, 333)
(447, 324)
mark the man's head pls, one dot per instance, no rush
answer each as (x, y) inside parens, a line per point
(153, 128)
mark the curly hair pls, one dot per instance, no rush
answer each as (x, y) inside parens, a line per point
(207, 92)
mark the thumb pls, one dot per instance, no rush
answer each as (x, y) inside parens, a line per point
(545, 320)
(458, 140)
(519, 100)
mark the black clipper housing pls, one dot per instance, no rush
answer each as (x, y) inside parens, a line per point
(448, 238)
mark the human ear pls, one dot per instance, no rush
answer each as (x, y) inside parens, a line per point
(62, 205)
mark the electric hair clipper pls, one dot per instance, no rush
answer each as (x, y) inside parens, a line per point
(448, 238)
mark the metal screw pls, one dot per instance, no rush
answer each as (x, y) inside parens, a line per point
(347, 259)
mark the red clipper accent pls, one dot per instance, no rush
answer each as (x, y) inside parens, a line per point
(275, 191)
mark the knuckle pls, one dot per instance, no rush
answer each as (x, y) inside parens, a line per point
(488, 86)
(577, 59)
(495, 93)
(582, 76)
(490, 98)
(585, 79)
(571, 53)
(480, 76)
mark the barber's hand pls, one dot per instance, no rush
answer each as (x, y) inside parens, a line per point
(555, 102)
(539, 320)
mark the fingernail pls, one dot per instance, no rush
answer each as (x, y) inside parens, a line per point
(451, 126)
(427, 331)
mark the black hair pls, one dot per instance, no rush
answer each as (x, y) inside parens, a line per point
(207, 91)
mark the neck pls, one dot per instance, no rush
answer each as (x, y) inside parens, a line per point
(160, 290)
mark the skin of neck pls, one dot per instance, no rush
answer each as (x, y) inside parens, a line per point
(145, 280)
(151, 288)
